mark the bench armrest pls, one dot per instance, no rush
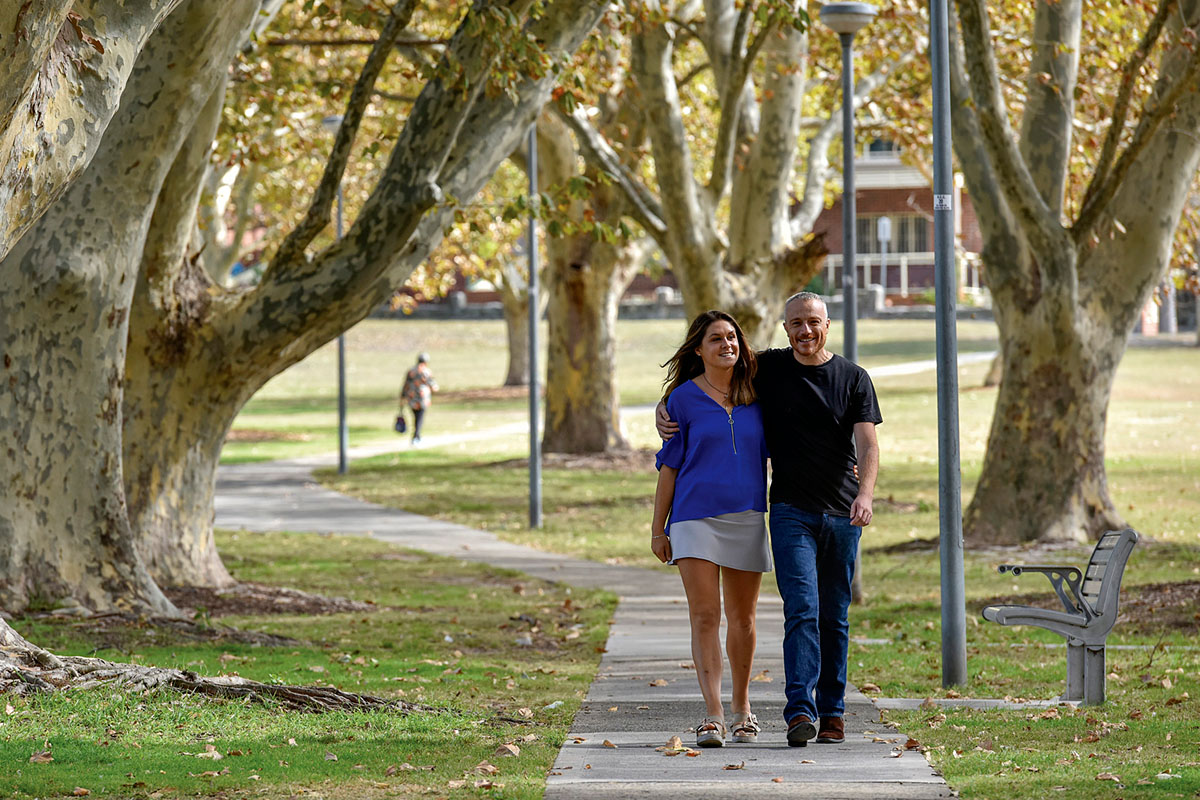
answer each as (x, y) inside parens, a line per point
(1062, 577)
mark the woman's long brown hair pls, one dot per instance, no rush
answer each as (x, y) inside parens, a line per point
(686, 363)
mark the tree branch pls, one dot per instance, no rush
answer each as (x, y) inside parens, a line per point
(731, 104)
(818, 169)
(293, 246)
(645, 207)
(1120, 112)
(1013, 178)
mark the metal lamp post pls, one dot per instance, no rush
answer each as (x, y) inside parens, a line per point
(331, 125)
(883, 232)
(846, 19)
(535, 436)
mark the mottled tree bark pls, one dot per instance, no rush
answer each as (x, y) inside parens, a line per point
(63, 69)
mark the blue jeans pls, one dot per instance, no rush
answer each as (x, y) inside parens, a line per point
(814, 565)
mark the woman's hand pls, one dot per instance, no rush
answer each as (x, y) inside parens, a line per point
(660, 545)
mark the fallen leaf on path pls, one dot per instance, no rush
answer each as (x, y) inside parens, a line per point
(911, 744)
(808, 761)
(607, 743)
(658, 682)
(896, 754)
(739, 765)
(762, 677)
(578, 739)
(776, 780)
(928, 705)
(612, 708)
(692, 753)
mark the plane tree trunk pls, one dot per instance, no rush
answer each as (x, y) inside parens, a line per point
(1066, 296)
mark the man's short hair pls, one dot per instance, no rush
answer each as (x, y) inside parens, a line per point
(807, 297)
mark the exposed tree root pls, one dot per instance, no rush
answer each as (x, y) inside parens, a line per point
(26, 669)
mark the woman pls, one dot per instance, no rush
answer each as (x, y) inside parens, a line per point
(712, 484)
(417, 393)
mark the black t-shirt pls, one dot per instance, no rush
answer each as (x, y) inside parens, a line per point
(809, 415)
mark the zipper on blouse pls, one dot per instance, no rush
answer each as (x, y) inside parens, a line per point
(732, 438)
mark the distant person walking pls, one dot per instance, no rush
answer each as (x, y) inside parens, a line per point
(709, 511)
(417, 393)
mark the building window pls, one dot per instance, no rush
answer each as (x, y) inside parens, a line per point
(882, 150)
(910, 234)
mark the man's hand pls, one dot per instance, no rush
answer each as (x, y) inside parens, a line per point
(860, 510)
(662, 422)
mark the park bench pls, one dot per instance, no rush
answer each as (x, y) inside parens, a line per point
(1090, 608)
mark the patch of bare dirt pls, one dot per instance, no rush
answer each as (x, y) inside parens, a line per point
(261, 435)
(619, 461)
(254, 599)
(1156, 606)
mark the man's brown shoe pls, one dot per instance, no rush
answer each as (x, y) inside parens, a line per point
(800, 730)
(833, 731)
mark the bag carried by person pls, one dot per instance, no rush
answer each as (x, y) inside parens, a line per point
(401, 425)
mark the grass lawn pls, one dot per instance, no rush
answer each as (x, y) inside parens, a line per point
(1154, 475)
(438, 632)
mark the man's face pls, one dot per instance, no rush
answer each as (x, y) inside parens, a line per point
(807, 325)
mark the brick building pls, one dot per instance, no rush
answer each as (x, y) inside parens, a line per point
(886, 187)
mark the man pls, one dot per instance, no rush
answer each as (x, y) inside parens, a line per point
(417, 393)
(818, 409)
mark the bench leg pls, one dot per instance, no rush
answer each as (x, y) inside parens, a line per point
(1074, 671)
(1093, 676)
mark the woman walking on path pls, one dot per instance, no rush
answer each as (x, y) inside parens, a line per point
(417, 393)
(712, 485)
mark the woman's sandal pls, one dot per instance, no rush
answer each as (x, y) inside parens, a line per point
(711, 732)
(745, 727)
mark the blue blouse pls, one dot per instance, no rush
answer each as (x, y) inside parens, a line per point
(722, 464)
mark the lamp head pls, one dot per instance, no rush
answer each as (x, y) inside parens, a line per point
(847, 17)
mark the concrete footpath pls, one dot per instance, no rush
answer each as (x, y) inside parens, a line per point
(645, 691)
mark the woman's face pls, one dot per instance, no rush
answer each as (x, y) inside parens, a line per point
(719, 347)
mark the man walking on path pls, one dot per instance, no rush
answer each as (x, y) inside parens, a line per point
(818, 410)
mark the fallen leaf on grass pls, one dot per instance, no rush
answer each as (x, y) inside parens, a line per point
(9, 710)
(486, 784)
(455, 784)
(911, 744)
(607, 743)
(952, 695)
(330, 757)
(507, 751)
(869, 687)
(41, 757)
(486, 768)
(1174, 701)
(1108, 776)
(928, 705)
(79, 791)
(210, 752)
(739, 765)
(525, 713)
(291, 743)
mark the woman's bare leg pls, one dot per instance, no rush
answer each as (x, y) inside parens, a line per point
(741, 604)
(702, 582)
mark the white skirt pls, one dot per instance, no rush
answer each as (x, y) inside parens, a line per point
(737, 541)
